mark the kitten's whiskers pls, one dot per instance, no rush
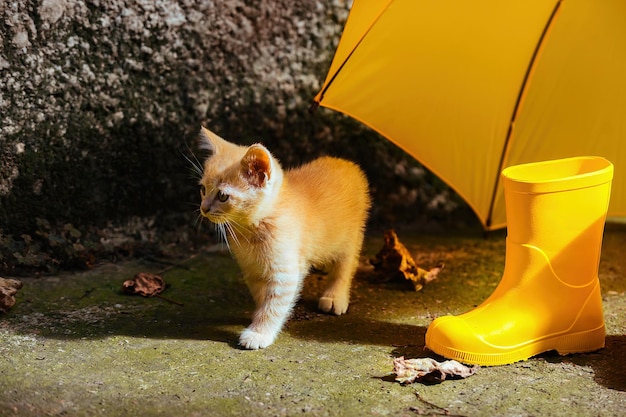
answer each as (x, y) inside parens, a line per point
(229, 227)
(222, 231)
(243, 231)
(196, 166)
(198, 222)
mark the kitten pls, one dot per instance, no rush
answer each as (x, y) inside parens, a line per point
(278, 224)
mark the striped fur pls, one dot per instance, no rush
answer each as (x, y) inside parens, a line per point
(278, 224)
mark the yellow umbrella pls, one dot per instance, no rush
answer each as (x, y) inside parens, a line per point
(471, 87)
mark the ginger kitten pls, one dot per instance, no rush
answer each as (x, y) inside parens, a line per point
(278, 224)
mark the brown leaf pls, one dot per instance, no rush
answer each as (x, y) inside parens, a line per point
(8, 289)
(429, 370)
(145, 284)
(395, 261)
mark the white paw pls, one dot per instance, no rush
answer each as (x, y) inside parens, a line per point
(333, 303)
(250, 339)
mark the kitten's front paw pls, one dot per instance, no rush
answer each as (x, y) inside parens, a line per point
(250, 339)
(333, 303)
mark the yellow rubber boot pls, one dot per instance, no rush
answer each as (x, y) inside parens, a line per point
(549, 295)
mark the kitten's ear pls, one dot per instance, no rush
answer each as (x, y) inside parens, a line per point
(209, 141)
(257, 165)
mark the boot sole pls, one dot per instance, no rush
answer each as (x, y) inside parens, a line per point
(580, 342)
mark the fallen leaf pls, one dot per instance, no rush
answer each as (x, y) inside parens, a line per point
(429, 370)
(8, 289)
(395, 261)
(145, 284)
(424, 277)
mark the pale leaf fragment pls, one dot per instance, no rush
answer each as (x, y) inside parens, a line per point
(429, 370)
(424, 277)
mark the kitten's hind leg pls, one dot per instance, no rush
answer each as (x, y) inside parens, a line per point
(337, 296)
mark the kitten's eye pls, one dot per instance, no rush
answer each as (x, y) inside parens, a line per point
(222, 197)
(202, 190)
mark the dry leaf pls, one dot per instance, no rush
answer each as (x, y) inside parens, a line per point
(424, 277)
(395, 260)
(429, 370)
(8, 289)
(145, 284)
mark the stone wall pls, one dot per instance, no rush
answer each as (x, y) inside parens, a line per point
(101, 102)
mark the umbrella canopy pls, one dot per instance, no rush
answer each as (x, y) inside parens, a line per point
(471, 87)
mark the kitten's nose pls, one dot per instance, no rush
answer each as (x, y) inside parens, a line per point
(205, 206)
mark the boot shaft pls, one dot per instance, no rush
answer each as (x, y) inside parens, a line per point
(560, 207)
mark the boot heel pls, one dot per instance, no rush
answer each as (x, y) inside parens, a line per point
(587, 341)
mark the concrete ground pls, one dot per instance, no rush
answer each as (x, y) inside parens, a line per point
(75, 345)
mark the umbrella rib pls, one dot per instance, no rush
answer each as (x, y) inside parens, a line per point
(509, 134)
(316, 103)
